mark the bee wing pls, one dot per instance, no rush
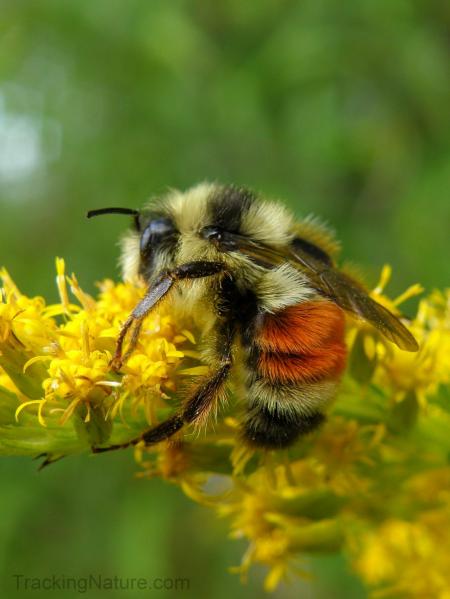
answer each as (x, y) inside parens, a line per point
(335, 285)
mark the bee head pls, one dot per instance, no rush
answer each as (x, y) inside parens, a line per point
(151, 245)
(208, 222)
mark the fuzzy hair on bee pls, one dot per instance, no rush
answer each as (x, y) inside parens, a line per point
(272, 300)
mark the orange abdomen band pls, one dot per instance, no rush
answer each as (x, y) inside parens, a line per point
(302, 343)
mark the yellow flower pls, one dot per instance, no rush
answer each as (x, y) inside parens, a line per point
(56, 358)
(373, 483)
(404, 374)
(367, 345)
(280, 520)
(408, 559)
(424, 371)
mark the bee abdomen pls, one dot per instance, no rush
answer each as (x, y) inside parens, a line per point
(277, 429)
(295, 359)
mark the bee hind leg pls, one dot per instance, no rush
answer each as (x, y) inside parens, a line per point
(195, 408)
(198, 406)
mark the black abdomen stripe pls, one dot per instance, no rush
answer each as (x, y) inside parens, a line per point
(275, 430)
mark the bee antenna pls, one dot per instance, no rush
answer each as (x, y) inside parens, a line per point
(130, 211)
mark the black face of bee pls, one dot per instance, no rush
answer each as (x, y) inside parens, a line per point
(159, 233)
(159, 236)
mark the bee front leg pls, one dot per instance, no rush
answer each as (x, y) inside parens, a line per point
(158, 291)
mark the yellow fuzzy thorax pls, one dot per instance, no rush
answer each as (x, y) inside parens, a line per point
(372, 483)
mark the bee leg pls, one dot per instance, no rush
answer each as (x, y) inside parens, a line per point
(162, 285)
(149, 301)
(197, 406)
(133, 340)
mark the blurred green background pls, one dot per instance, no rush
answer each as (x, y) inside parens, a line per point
(341, 109)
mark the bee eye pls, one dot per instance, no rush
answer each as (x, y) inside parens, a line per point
(156, 231)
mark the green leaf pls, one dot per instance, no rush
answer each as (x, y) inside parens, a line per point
(13, 360)
(95, 431)
(404, 413)
(361, 367)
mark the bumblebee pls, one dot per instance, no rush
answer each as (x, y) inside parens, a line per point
(273, 299)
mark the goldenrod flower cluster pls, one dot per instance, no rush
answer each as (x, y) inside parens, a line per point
(373, 483)
(58, 394)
